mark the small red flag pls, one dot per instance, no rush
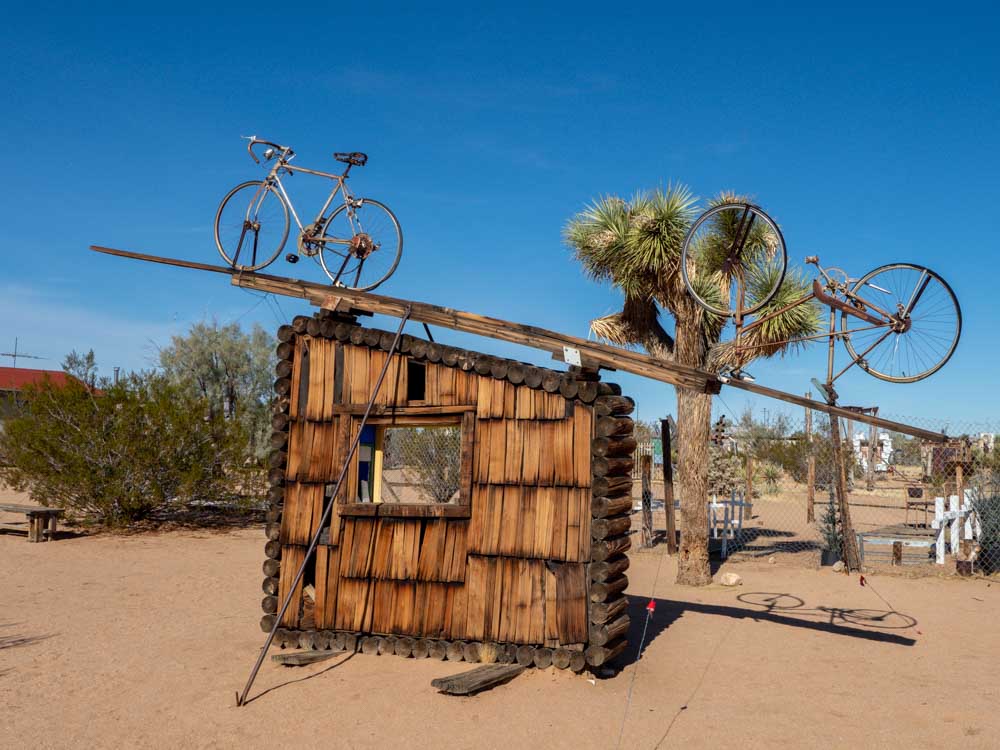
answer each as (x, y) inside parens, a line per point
(651, 607)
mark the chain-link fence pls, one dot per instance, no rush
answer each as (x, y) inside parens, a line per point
(421, 464)
(910, 502)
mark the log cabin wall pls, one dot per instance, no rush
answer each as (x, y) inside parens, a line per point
(531, 556)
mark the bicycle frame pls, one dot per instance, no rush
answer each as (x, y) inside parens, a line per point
(852, 304)
(274, 178)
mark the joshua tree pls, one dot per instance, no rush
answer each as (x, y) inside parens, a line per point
(636, 246)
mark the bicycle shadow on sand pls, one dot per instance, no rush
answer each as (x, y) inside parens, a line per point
(879, 625)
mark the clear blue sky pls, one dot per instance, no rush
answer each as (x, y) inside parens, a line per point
(871, 135)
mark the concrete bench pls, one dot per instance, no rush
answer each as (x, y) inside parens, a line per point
(41, 521)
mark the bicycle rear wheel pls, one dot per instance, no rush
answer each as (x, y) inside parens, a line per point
(362, 245)
(929, 324)
(251, 226)
(733, 259)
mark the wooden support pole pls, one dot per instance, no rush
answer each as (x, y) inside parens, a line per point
(668, 487)
(851, 556)
(810, 468)
(850, 462)
(748, 499)
(870, 473)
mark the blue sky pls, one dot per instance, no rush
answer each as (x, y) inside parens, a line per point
(870, 134)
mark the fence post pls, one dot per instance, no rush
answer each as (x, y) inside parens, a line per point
(668, 488)
(646, 462)
(956, 523)
(939, 524)
(749, 489)
(872, 435)
(810, 468)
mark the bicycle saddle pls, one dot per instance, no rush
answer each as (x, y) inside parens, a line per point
(354, 158)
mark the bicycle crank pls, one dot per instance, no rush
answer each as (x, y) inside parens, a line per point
(308, 245)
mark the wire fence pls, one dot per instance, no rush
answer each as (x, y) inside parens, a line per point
(911, 502)
(421, 464)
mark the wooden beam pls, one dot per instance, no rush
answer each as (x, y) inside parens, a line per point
(838, 411)
(610, 357)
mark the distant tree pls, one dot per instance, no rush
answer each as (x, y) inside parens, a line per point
(645, 431)
(905, 450)
(437, 458)
(116, 457)
(229, 368)
(81, 366)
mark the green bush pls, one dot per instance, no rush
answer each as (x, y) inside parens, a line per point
(115, 456)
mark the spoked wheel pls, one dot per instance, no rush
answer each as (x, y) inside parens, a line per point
(733, 259)
(927, 323)
(251, 226)
(362, 245)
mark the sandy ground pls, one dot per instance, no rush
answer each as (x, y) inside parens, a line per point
(142, 641)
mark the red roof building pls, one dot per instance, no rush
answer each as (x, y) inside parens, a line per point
(13, 380)
(16, 378)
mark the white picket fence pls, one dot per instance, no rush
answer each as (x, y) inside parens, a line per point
(960, 522)
(731, 511)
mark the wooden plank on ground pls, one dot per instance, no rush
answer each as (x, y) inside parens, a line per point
(478, 679)
(303, 658)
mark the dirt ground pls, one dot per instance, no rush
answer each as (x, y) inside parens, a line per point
(142, 641)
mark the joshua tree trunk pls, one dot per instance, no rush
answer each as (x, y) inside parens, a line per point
(694, 425)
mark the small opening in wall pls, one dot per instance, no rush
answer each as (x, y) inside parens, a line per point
(416, 381)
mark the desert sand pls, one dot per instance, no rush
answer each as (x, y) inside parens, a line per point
(143, 641)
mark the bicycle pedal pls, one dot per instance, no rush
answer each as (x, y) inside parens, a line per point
(292, 258)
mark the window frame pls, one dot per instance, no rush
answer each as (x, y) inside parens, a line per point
(464, 418)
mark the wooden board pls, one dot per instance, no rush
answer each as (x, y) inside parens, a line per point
(304, 658)
(327, 581)
(481, 678)
(291, 559)
(533, 522)
(302, 511)
(596, 354)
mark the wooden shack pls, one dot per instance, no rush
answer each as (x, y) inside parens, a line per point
(504, 540)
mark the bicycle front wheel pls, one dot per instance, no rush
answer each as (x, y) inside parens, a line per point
(733, 259)
(251, 226)
(927, 323)
(362, 244)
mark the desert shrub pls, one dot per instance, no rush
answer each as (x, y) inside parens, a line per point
(114, 456)
(770, 475)
(830, 529)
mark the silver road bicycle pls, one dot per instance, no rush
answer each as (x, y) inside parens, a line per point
(358, 245)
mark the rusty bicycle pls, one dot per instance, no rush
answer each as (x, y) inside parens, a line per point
(358, 245)
(900, 322)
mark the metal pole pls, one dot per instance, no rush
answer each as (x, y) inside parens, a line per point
(242, 698)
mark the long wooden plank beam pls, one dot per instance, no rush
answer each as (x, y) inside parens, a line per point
(325, 296)
(838, 411)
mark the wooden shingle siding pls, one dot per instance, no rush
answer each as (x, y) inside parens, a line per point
(515, 566)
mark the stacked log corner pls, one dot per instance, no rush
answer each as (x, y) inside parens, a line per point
(357, 607)
(611, 508)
